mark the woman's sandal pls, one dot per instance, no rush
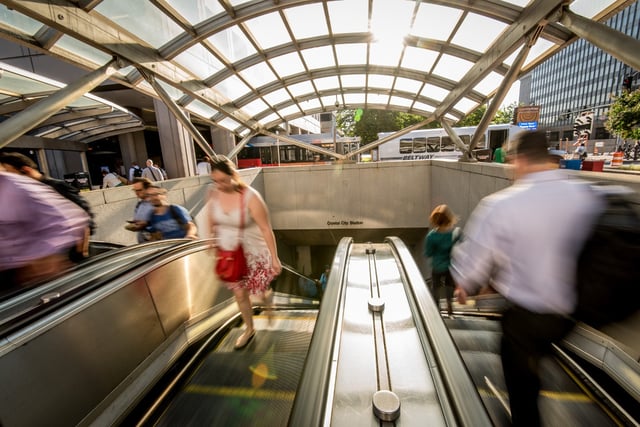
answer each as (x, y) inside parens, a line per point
(244, 339)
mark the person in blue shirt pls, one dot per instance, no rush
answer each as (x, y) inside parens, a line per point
(168, 221)
(437, 246)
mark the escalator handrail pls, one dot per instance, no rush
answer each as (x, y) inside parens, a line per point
(464, 399)
(309, 406)
(295, 272)
(18, 315)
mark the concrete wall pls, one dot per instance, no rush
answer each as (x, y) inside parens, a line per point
(342, 197)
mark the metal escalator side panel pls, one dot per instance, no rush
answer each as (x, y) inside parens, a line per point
(314, 389)
(461, 393)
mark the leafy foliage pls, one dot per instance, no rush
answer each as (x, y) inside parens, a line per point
(372, 122)
(624, 115)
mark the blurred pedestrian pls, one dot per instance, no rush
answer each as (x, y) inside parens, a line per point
(168, 221)
(38, 230)
(143, 210)
(229, 200)
(111, 179)
(523, 240)
(437, 246)
(152, 173)
(20, 164)
(204, 166)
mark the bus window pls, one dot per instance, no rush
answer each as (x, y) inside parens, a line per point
(420, 144)
(406, 145)
(447, 144)
(433, 144)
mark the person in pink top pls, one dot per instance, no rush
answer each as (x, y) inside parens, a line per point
(38, 229)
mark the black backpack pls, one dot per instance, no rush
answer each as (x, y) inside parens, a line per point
(608, 275)
(137, 172)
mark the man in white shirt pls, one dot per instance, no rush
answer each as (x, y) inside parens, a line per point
(523, 241)
(152, 173)
(204, 166)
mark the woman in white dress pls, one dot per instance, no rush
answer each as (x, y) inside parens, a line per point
(257, 238)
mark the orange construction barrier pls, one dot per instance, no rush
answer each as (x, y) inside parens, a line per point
(618, 156)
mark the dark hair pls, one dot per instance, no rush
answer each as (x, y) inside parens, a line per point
(17, 160)
(223, 164)
(532, 145)
(146, 182)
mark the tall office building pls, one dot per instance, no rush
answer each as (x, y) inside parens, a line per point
(574, 87)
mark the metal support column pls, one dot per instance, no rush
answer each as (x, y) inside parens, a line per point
(19, 124)
(615, 43)
(502, 91)
(178, 113)
(466, 152)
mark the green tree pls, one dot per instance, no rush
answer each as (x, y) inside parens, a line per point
(473, 118)
(504, 115)
(624, 115)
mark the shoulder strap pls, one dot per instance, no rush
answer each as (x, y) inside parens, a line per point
(174, 213)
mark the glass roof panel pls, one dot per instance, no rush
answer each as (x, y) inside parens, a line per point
(311, 104)
(287, 65)
(258, 75)
(418, 59)
(268, 30)
(232, 87)
(273, 117)
(352, 53)
(232, 43)
(174, 93)
(377, 98)
(349, 16)
(354, 98)
(156, 28)
(353, 80)
(440, 29)
(17, 83)
(302, 88)
(319, 57)
(19, 21)
(589, 8)
(489, 83)
(201, 109)
(390, 20)
(433, 92)
(521, 3)
(452, 67)
(255, 107)
(380, 80)
(87, 52)
(540, 47)
(290, 110)
(385, 54)
(228, 123)
(306, 21)
(195, 14)
(408, 85)
(325, 83)
(465, 105)
(421, 106)
(469, 36)
(199, 61)
(402, 101)
(276, 97)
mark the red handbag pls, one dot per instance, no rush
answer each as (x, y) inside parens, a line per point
(231, 266)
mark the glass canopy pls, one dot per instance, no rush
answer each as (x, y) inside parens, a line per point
(86, 119)
(252, 65)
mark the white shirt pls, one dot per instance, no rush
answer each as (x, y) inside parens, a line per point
(525, 240)
(152, 173)
(203, 168)
(110, 180)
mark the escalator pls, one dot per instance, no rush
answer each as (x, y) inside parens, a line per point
(151, 343)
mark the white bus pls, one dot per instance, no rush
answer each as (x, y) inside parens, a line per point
(424, 144)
